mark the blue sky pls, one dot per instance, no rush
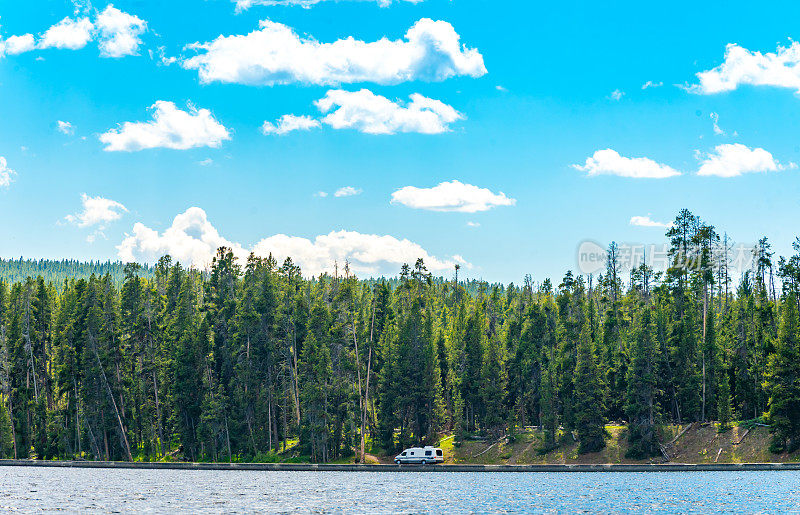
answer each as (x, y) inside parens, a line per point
(526, 93)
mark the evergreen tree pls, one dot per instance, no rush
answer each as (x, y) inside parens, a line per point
(316, 374)
(6, 436)
(640, 406)
(588, 397)
(783, 382)
(494, 387)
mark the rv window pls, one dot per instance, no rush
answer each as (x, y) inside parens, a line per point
(412, 453)
(428, 453)
(438, 452)
(404, 453)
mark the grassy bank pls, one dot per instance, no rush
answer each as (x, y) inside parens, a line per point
(695, 443)
(683, 444)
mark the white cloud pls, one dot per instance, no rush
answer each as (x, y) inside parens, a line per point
(367, 112)
(170, 128)
(160, 54)
(501, 88)
(732, 160)
(288, 123)
(347, 191)
(206, 162)
(616, 94)
(275, 54)
(742, 67)
(65, 127)
(368, 254)
(68, 34)
(242, 5)
(81, 6)
(451, 196)
(6, 173)
(646, 221)
(321, 194)
(372, 114)
(193, 240)
(119, 32)
(97, 211)
(473, 224)
(14, 45)
(717, 129)
(609, 162)
(651, 84)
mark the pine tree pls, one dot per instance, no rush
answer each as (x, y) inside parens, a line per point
(474, 345)
(493, 388)
(549, 409)
(589, 421)
(640, 406)
(783, 382)
(6, 436)
(316, 375)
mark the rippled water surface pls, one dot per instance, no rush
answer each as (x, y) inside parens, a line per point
(172, 491)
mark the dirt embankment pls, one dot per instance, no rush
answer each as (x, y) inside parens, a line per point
(693, 443)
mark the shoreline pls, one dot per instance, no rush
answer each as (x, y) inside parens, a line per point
(314, 467)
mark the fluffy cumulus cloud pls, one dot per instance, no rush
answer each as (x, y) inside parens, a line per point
(242, 5)
(276, 54)
(609, 162)
(70, 34)
(6, 173)
(451, 196)
(373, 114)
(347, 191)
(14, 45)
(646, 221)
(193, 240)
(368, 254)
(97, 212)
(743, 67)
(119, 32)
(732, 160)
(289, 123)
(169, 128)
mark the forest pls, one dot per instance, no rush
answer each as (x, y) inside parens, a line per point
(246, 360)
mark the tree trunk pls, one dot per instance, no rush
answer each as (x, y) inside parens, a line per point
(366, 406)
(113, 402)
(159, 426)
(360, 393)
(13, 431)
(705, 322)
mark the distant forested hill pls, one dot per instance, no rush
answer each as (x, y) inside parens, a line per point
(17, 270)
(53, 271)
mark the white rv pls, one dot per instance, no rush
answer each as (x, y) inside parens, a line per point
(420, 455)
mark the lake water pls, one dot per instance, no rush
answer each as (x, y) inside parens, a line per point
(174, 491)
